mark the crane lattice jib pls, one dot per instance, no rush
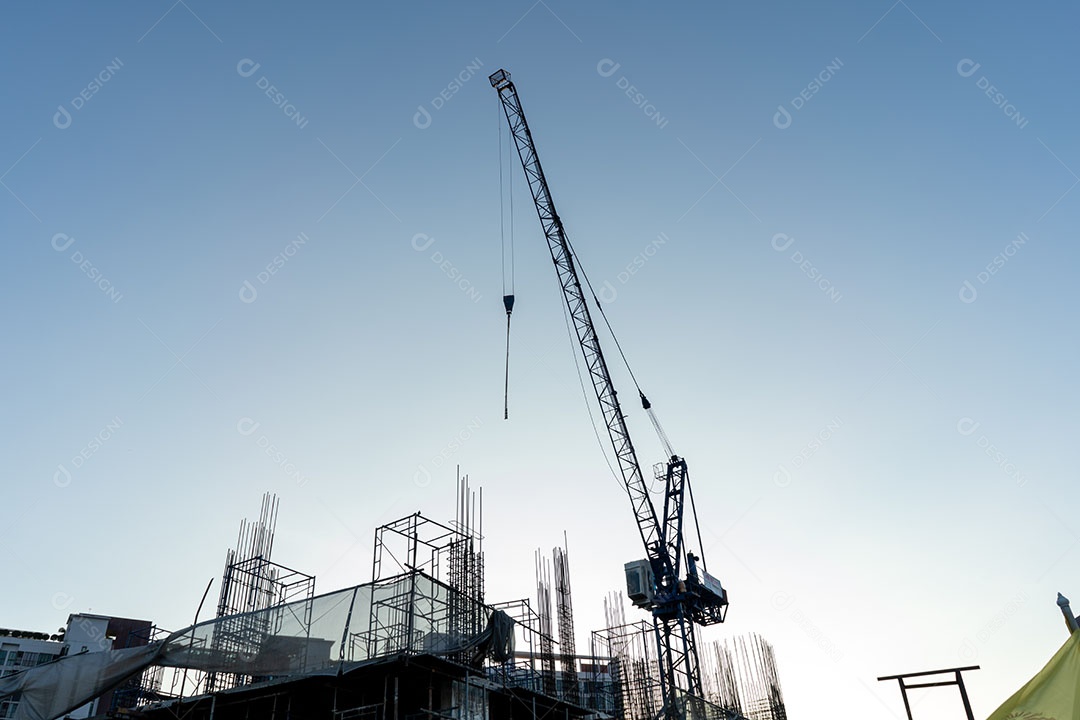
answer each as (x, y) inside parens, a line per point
(579, 310)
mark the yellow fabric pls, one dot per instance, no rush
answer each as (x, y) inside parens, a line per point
(1053, 694)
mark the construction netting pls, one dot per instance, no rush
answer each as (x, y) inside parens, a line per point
(411, 613)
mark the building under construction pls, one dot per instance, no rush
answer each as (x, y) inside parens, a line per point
(418, 641)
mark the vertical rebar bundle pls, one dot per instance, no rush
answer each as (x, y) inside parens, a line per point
(742, 677)
(543, 608)
(466, 571)
(565, 610)
(720, 677)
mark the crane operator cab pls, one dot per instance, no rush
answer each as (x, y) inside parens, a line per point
(705, 598)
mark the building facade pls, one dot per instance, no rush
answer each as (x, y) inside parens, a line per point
(22, 650)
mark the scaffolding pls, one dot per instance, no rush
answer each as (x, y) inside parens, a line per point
(251, 582)
(632, 649)
(407, 615)
(415, 614)
(521, 670)
(452, 554)
(740, 678)
(147, 686)
(427, 598)
(593, 686)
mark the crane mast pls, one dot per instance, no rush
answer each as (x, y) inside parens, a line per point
(654, 584)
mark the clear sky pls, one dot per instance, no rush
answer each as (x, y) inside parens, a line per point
(836, 239)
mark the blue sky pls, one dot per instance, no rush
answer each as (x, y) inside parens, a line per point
(880, 452)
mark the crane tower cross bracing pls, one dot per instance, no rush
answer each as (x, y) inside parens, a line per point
(677, 604)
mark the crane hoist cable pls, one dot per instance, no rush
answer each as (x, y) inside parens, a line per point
(585, 396)
(507, 271)
(645, 404)
(506, 207)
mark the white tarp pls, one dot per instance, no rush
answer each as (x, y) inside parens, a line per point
(410, 613)
(49, 691)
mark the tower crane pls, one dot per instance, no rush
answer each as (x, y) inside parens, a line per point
(678, 602)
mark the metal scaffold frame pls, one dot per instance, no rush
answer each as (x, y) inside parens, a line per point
(147, 687)
(250, 582)
(452, 554)
(632, 649)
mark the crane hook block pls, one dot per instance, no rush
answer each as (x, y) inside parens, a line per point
(508, 303)
(645, 404)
